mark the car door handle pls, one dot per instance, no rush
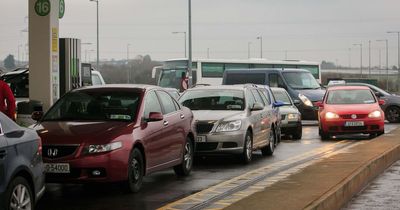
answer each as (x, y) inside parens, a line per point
(3, 154)
(165, 123)
(182, 116)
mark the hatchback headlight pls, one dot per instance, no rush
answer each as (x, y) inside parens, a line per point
(292, 117)
(229, 126)
(305, 100)
(331, 115)
(375, 114)
(91, 149)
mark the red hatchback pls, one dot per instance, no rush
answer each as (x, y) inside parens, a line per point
(115, 133)
(350, 109)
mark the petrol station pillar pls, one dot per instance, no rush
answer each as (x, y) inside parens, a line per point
(44, 85)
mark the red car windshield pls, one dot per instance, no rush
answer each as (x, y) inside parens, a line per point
(350, 97)
(104, 105)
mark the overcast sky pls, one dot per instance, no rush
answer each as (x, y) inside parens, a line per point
(313, 30)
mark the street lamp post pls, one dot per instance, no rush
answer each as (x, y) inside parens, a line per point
(398, 57)
(127, 63)
(261, 46)
(189, 69)
(248, 50)
(361, 67)
(387, 61)
(182, 32)
(98, 53)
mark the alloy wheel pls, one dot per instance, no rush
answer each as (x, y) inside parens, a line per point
(188, 155)
(249, 148)
(20, 198)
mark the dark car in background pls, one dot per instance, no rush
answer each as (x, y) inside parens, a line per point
(21, 166)
(301, 85)
(115, 133)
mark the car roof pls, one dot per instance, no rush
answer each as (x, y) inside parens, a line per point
(225, 87)
(120, 86)
(349, 87)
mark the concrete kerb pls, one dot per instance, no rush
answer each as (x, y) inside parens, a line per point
(342, 193)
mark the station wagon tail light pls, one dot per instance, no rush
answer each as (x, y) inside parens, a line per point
(331, 115)
(375, 114)
(229, 126)
(92, 149)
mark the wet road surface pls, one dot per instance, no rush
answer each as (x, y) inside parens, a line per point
(164, 187)
(383, 193)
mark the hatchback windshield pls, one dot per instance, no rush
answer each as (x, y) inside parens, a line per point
(282, 96)
(350, 97)
(301, 80)
(213, 100)
(96, 105)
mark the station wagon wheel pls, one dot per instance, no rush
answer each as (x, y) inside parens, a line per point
(247, 148)
(270, 148)
(20, 195)
(393, 114)
(135, 171)
(185, 167)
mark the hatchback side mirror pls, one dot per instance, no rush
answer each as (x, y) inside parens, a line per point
(278, 104)
(155, 116)
(319, 104)
(381, 102)
(257, 106)
(37, 115)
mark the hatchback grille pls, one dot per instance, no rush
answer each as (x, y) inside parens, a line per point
(58, 151)
(358, 116)
(204, 127)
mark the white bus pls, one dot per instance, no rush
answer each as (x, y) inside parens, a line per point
(211, 71)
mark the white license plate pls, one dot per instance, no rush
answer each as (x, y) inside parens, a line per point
(354, 123)
(201, 139)
(58, 168)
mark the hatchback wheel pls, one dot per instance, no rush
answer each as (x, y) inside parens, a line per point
(185, 167)
(270, 148)
(392, 114)
(324, 135)
(247, 148)
(19, 195)
(135, 172)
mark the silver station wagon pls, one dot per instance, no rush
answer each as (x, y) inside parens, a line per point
(232, 119)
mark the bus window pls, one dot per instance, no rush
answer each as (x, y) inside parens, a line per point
(233, 66)
(212, 70)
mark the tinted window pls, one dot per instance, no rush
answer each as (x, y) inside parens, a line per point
(257, 96)
(249, 99)
(275, 80)
(151, 104)
(96, 104)
(167, 102)
(233, 66)
(243, 78)
(212, 69)
(213, 99)
(350, 97)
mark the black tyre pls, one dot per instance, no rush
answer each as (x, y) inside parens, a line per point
(135, 172)
(298, 133)
(247, 153)
(392, 114)
(270, 148)
(325, 136)
(186, 166)
(18, 195)
(380, 133)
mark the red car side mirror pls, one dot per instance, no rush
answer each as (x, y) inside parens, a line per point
(155, 116)
(319, 104)
(381, 102)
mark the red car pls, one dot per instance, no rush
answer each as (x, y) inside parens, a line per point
(115, 133)
(350, 109)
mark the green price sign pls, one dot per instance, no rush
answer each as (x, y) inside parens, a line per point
(62, 9)
(42, 7)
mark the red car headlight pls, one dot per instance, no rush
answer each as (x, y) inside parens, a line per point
(92, 149)
(375, 114)
(331, 115)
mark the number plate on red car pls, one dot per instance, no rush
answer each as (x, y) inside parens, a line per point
(201, 139)
(58, 168)
(354, 123)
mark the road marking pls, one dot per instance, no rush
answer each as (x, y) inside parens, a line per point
(240, 186)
